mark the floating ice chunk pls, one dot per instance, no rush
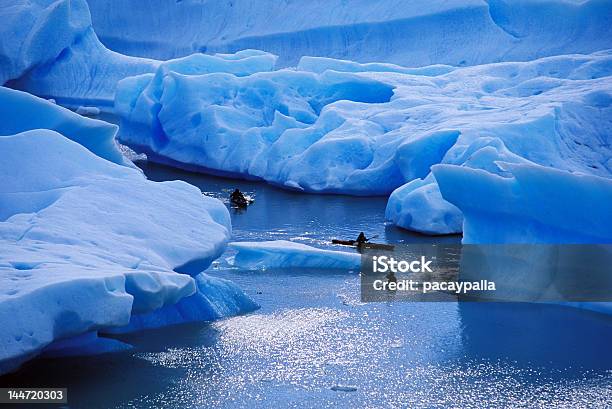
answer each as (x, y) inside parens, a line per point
(86, 243)
(88, 111)
(344, 388)
(215, 298)
(419, 206)
(286, 254)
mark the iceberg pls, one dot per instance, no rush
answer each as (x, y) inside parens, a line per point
(89, 343)
(419, 206)
(86, 245)
(416, 33)
(21, 112)
(534, 204)
(268, 125)
(568, 129)
(215, 298)
(364, 132)
(49, 48)
(36, 32)
(287, 254)
(371, 119)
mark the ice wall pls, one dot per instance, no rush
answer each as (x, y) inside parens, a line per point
(48, 48)
(411, 33)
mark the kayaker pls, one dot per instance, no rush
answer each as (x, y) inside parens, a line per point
(361, 239)
(238, 198)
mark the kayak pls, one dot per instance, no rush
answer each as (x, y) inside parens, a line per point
(242, 203)
(344, 242)
(371, 246)
(377, 246)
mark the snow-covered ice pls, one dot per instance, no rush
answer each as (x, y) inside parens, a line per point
(86, 245)
(489, 117)
(286, 254)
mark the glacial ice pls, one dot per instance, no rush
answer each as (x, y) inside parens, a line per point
(36, 32)
(362, 126)
(369, 132)
(532, 204)
(215, 298)
(425, 105)
(89, 343)
(48, 48)
(287, 254)
(86, 245)
(415, 34)
(262, 125)
(23, 112)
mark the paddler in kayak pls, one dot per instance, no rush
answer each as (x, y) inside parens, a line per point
(363, 242)
(238, 199)
(361, 239)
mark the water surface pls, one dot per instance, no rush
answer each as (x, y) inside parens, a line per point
(314, 344)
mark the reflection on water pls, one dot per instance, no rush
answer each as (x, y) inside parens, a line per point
(314, 344)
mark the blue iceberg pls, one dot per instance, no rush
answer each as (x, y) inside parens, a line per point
(532, 204)
(374, 129)
(22, 112)
(87, 244)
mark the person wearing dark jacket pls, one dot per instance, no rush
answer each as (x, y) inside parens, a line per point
(238, 198)
(361, 239)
